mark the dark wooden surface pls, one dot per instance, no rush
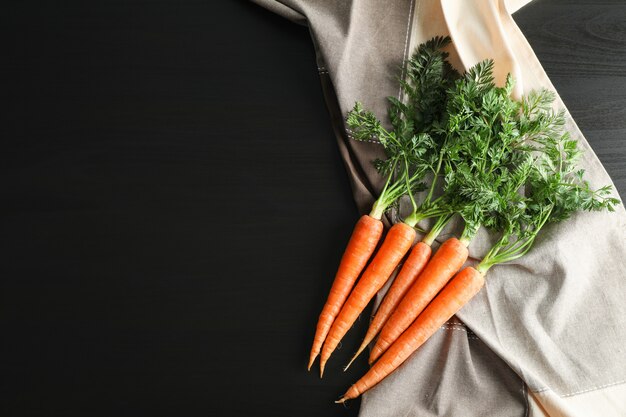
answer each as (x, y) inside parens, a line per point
(174, 205)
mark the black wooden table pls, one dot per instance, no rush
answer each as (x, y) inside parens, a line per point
(174, 205)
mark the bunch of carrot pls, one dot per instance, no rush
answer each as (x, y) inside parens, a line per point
(503, 164)
(412, 148)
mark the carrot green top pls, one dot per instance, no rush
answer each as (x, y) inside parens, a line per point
(413, 146)
(509, 165)
(490, 143)
(503, 164)
(554, 190)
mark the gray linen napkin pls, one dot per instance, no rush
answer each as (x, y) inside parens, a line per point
(546, 335)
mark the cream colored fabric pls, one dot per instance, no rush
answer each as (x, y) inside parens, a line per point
(604, 401)
(462, 19)
(546, 335)
(514, 5)
(572, 321)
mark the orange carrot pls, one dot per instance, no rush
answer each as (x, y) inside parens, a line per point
(413, 265)
(362, 244)
(444, 264)
(458, 292)
(396, 244)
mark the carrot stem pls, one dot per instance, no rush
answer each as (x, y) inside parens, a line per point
(442, 152)
(381, 204)
(439, 225)
(469, 231)
(408, 185)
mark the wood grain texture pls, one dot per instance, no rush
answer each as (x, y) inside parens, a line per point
(582, 47)
(173, 208)
(174, 205)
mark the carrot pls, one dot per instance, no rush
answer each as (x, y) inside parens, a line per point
(414, 149)
(415, 262)
(444, 264)
(404, 171)
(362, 244)
(411, 269)
(396, 244)
(452, 298)
(556, 191)
(360, 248)
(491, 180)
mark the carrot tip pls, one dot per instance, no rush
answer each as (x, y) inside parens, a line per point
(356, 355)
(321, 371)
(351, 360)
(312, 358)
(341, 400)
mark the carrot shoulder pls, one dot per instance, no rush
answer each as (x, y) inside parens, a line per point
(444, 264)
(396, 244)
(458, 292)
(362, 244)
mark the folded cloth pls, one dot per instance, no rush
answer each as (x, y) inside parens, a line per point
(546, 335)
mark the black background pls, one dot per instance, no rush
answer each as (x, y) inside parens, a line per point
(173, 204)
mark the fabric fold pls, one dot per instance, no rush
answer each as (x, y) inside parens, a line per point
(488, 42)
(545, 336)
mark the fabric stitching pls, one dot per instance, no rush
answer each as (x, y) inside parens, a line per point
(594, 388)
(395, 211)
(469, 335)
(406, 45)
(540, 390)
(452, 326)
(406, 42)
(458, 328)
(351, 136)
